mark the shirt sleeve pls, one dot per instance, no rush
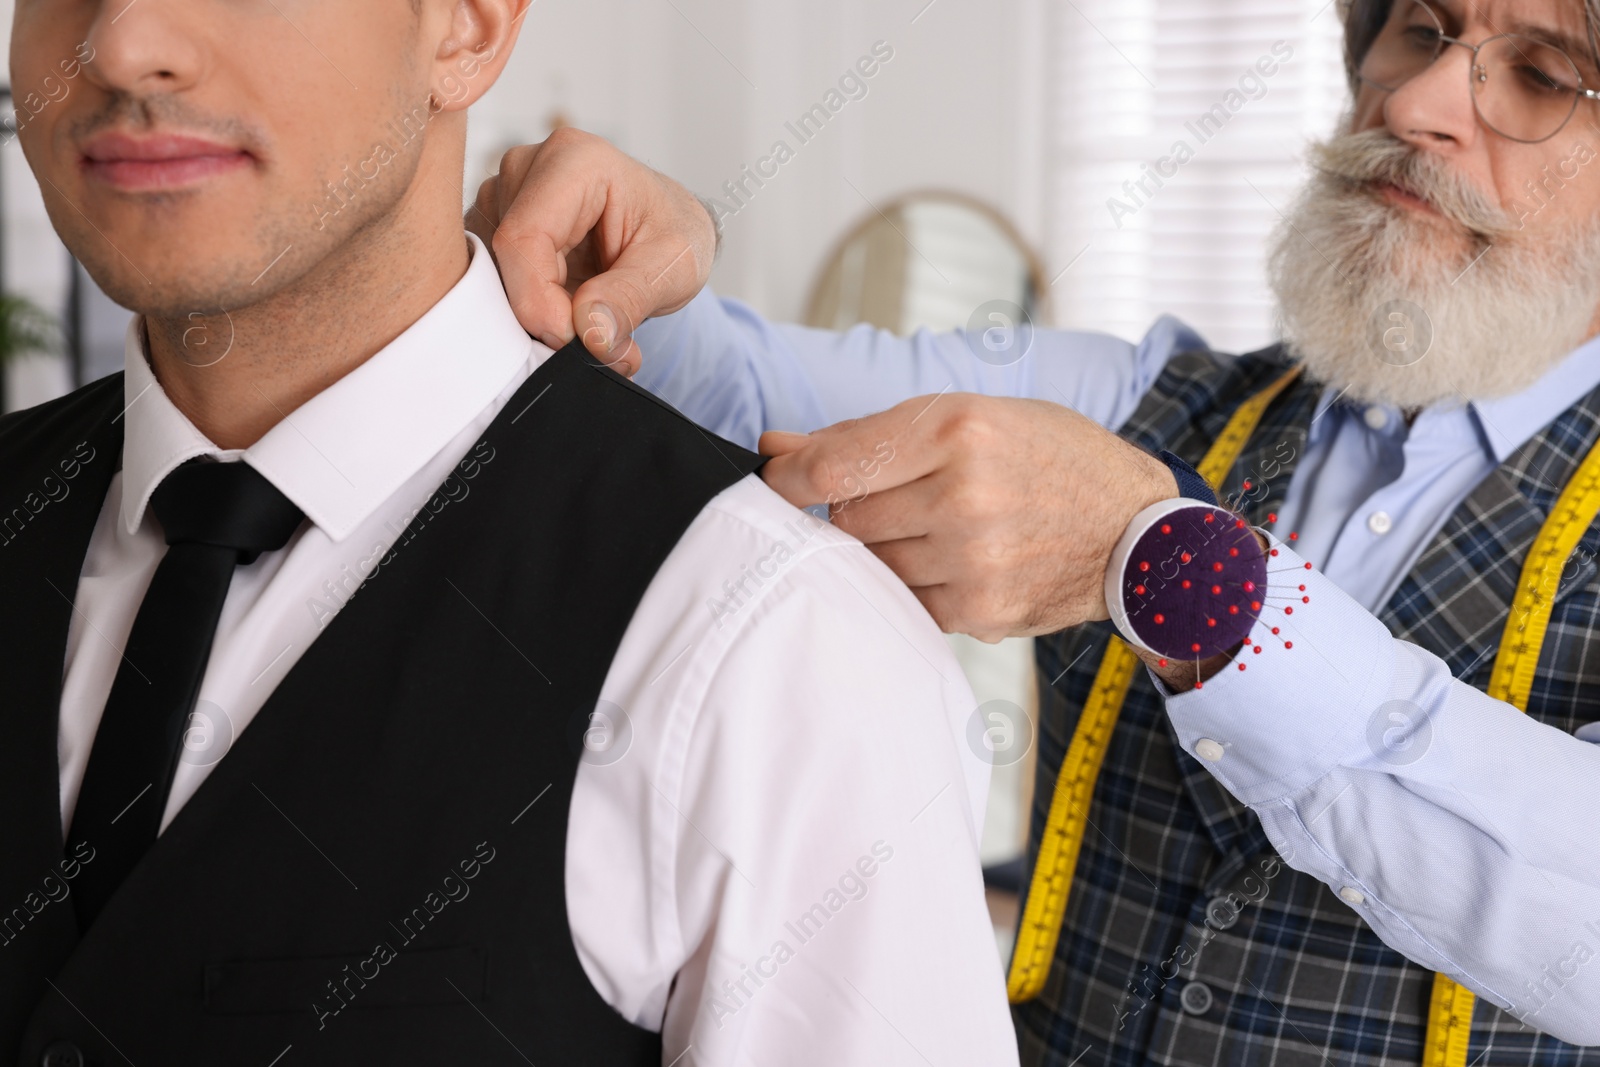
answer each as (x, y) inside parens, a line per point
(738, 375)
(828, 893)
(1460, 829)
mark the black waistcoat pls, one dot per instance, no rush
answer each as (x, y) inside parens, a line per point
(375, 872)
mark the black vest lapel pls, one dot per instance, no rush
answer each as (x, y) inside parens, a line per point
(425, 746)
(58, 462)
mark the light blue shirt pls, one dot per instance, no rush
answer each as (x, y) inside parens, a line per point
(1478, 858)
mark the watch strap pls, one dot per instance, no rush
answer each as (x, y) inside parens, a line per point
(1190, 483)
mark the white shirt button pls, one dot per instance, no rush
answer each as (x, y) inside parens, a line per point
(1351, 895)
(1379, 522)
(1376, 417)
(1208, 749)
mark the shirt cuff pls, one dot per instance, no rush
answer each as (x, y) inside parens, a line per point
(1295, 703)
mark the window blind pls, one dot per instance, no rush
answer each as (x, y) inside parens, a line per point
(1177, 132)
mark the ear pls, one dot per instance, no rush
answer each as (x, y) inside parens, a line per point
(475, 50)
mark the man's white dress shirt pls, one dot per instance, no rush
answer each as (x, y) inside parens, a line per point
(773, 847)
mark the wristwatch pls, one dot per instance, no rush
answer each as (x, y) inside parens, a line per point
(1188, 578)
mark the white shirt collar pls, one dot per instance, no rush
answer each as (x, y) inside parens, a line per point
(353, 445)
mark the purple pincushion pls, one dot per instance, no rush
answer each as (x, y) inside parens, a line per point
(1194, 583)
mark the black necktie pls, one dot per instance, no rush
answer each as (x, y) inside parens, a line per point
(216, 516)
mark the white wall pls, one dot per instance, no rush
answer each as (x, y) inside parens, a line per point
(700, 88)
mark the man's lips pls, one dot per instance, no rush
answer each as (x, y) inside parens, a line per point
(162, 161)
(1404, 197)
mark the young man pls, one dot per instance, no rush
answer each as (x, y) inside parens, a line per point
(325, 741)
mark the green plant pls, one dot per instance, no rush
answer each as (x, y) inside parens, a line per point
(26, 327)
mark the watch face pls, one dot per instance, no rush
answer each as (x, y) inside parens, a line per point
(1194, 583)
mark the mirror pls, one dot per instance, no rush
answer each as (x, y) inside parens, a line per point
(925, 259)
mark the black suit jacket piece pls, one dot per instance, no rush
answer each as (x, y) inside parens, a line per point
(375, 872)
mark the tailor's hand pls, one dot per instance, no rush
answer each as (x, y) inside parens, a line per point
(1000, 514)
(590, 241)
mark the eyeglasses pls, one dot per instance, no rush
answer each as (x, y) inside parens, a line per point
(1523, 89)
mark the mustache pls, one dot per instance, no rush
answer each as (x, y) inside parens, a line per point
(1361, 160)
(165, 111)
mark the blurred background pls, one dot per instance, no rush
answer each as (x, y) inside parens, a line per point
(1024, 151)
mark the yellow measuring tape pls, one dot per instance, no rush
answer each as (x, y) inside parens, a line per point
(1450, 1010)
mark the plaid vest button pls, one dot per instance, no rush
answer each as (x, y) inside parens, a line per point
(1221, 914)
(1196, 998)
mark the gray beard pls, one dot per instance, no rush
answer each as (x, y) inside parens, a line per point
(1394, 308)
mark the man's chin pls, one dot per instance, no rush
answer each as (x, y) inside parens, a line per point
(183, 272)
(1447, 240)
(174, 299)
(1418, 246)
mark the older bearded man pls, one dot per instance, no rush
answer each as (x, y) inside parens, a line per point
(1352, 831)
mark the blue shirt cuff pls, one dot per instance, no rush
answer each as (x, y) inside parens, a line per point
(1300, 706)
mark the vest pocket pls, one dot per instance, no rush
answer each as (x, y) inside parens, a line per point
(380, 979)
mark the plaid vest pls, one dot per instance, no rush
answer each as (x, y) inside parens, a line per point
(1186, 939)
